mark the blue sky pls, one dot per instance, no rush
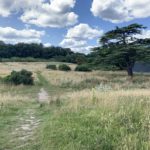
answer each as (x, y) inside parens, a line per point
(76, 24)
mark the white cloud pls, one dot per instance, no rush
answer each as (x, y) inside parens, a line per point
(118, 11)
(145, 34)
(11, 35)
(7, 7)
(75, 45)
(47, 44)
(72, 43)
(85, 50)
(77, 38)
(83, 31)
(139, 8)
(55, 13)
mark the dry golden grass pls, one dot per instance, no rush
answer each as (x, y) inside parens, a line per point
(60, 77)
(7, 98)
(10, 94)
(117, 80)
(110, 99)
(7, 67)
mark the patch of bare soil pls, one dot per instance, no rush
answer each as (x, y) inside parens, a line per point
(24, 132)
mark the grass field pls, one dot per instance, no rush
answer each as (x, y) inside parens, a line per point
(98, 110)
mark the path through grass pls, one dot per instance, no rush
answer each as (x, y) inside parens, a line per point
(113, 116)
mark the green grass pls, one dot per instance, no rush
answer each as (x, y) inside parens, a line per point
(88, 128)
(9, 115)
(95, 128)
(75, 119)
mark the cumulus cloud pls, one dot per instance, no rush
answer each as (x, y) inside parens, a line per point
(11, 35)
(77, 38)
(75, 45)
(55, 13)
(118, 11)
(7, 7)
(71, 43)
(83, 31)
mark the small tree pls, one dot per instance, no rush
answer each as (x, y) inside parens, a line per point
(120, 47)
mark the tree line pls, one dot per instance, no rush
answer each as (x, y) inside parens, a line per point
(31, 50)
(34, 50)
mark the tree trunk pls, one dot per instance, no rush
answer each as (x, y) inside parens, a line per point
(130, 71)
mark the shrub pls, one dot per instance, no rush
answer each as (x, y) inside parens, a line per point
(83, 68)
(20, 77)
(52, 67)
(64, 67)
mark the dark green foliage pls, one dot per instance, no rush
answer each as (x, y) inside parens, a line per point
(64, 67)
(37, 52)
(20, 77)
(120, 48)
(23, 50)
(83, 68)
(77, 58)
(52, 67)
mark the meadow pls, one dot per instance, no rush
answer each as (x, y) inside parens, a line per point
(98, 110)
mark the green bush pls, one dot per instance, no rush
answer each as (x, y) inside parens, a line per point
(83, 68)
(64, 67)
(20, 77)
(52, 67)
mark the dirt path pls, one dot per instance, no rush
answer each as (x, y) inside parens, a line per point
(25, 130)
(24, 134)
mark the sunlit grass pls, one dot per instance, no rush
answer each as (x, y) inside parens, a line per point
(86, 111)
(100, 120)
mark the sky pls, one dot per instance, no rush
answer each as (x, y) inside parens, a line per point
(75, 24)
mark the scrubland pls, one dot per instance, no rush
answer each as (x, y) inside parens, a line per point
(99, 110)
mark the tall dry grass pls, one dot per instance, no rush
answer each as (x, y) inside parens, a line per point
(113, 115)
(8, 98)
(90, 119)
(87, 98)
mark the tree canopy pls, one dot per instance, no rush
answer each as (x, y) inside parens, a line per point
(121, 47)
(31, 50)
(34, 50)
